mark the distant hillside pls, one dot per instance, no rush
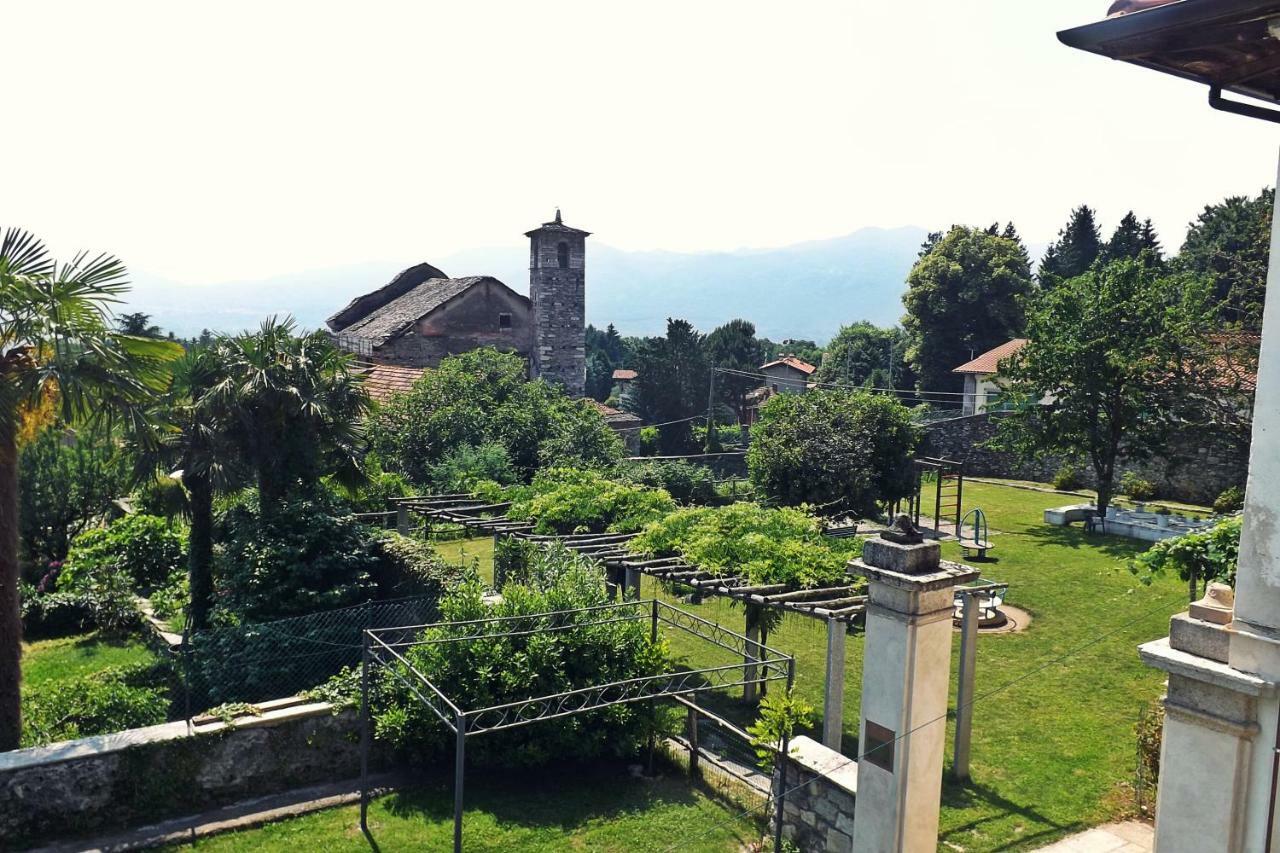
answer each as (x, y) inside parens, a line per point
(807, 290)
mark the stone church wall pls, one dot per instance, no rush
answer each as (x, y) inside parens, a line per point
(1193, 466)
(468, 322)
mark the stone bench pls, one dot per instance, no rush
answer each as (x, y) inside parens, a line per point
(1064, 515)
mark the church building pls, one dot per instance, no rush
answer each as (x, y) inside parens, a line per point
(422, 316)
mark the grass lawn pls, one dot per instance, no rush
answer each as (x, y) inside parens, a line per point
(466, 550)
(602, 809)
(48, 661)
(1053, 742)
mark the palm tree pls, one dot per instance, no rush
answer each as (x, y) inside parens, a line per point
(299, 407)
(192, 433)
(56, 339)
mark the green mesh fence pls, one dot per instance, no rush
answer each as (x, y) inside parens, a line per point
(271, 660)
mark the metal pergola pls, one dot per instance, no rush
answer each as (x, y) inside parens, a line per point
(386, 648)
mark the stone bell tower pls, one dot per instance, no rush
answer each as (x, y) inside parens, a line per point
(557, 291)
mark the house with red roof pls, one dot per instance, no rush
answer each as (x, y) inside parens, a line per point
(982, 387)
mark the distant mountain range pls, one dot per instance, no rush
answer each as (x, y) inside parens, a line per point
(807, 290)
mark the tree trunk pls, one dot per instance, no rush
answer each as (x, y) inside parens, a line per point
(10, 612)
(200, 546)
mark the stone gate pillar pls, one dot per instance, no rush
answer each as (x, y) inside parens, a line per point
(906, 671)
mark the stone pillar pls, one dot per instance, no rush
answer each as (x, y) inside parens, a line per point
(906, 671)
(402, 519)
(1222, 715)
(833, 698)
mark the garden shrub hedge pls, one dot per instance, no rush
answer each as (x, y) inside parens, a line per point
(137, 551)
(685, 482)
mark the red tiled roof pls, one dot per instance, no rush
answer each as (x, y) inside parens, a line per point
(612, 415)
(623, 374)
(989, 361)
(383, 381)
(791, 361)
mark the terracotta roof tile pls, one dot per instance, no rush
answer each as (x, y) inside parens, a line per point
(623, 374)
(611, 415)
(383, 381)
(791, 361)
(989, 361)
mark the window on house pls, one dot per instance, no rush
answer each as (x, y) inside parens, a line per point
(504, 321)
(562, 255)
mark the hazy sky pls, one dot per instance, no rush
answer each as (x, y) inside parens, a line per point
(244, 139)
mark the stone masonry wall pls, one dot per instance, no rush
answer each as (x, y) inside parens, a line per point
(468, 322)
(1194, 466)
(821, 786)
(111, 782)
(557, 296)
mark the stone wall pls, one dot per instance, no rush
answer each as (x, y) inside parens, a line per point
(470, 321)
(111, 782)
(821, 786)
(1194, 465)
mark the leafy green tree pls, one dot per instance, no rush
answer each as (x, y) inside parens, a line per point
(56, 342)
(139, 325)
(734, 346)
(965, 296)
(1078, 245)
(865, 354)
(673, 385)
(1109, 349)
(297, 405)
(68, 479)
(1230, 242)
(841, 451)
(1131, 239)
(1197, 556)
(484, 397)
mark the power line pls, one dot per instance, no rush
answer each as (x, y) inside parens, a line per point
(849, 387)
(1023, 677)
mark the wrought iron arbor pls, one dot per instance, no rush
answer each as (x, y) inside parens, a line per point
(386, 648)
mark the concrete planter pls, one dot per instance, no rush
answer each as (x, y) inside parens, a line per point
(1162, 521)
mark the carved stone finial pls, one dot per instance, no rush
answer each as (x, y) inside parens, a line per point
(903, 532)
(558, 222)
(1217, 605)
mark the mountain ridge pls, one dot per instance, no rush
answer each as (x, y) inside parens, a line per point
(802, 290)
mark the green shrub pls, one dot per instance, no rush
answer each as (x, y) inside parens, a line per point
(648, 441)
(1137, 488)
(170, 602)
(302, 556)
(568, 500)
(1068, 478)
(376, 491)
(464, 466)
(684, 481)
(1210, 554)
(68, 481)
(104, 702)
(141, 549)
(54, 614)
(484, 397)
(1231, 500)
(495, 669)
(410, 567)
(845, 452)
(767, 546)
(511, 558)
(780, 713)
(161, 496)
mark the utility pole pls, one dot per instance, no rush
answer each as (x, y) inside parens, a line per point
(711, 412)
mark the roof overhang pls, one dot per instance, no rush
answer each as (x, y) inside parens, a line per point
(1227, 45)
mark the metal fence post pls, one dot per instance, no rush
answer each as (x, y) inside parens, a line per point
(691, 734)
(781, 799)
(364, 733)
(459, 766)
